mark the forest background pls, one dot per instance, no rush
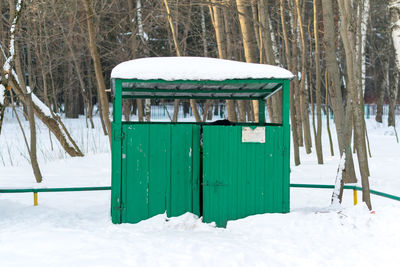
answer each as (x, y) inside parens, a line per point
(57, 57)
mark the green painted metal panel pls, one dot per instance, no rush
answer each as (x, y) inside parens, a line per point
(116, 134)
(135, 176)
(241, 179)
(286, 145)
(181, 169)
(196, 169)
(157, 170)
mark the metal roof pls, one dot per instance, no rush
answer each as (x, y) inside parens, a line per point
(207, 89)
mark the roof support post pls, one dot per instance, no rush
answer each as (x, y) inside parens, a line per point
(261, 111)
(116, 159)
(286, 142)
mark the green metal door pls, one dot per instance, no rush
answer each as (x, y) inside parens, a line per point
(242, 178)
(160, 170)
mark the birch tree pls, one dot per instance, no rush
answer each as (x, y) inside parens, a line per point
(8, 69)
(13, 80)
(394, 11)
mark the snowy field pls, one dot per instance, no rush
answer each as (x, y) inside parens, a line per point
(75, 229)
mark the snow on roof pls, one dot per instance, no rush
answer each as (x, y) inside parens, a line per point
(195, 69)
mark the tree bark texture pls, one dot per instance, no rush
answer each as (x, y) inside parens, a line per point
(217, 19)
(296, 153)
(193, 103)
(249, 44)
(394, 11)
(318, 136)
(303, 91)
(348, 34)
(343, 129)
(101, 86)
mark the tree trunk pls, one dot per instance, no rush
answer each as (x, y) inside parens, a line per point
(127, 108)
(222, 45)
(347, 32)
(296, 85)
(292, 108)
(249, 43)
(394, 11)
(31, 119)
(203, 32)
(51, 123)
(303, 91)
(318, 136)
(147, 109)
(394, 88)
(382, 89)
(328, 128)
(101, 86)
(275, 102)
(343, 128)
(2, 110)
(193, 104)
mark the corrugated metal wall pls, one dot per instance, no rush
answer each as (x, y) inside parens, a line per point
(241, 179)
(160, 170)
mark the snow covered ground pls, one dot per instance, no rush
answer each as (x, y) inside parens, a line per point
(74, 228)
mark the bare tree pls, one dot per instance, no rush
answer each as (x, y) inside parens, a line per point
(101, 86)
(193, 104)
(217, 19)
(250, 49)
(348, 15)
(343, 129)
(303, 91)
(292, 105)
(318, 136)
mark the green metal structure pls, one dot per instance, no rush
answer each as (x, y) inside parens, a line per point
(165, 167)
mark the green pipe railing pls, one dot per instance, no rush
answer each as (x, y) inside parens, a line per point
(102, 188)
(35, 191)
(68, 189)
(353, 187)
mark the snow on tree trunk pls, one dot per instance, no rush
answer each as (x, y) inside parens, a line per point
(2, 92)
(338, 183)
(11, 48)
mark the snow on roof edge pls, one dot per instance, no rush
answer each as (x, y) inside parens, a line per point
(196, 69)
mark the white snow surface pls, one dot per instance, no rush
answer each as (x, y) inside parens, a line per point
(195, 68)
(75, 229)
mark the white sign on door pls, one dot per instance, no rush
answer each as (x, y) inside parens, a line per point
(253, 135)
